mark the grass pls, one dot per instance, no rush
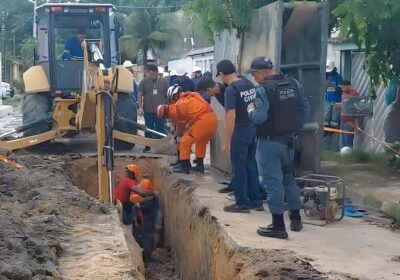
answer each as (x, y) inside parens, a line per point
(357, 156)
(14, 101)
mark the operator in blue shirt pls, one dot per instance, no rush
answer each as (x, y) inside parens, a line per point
(279, 112)
(73, 47)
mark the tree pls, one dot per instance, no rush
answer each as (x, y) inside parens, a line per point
(147, 28)
(373, 25)
(219, 15)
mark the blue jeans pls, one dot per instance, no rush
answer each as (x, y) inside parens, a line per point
(346, 140)
(273, 158)
(244, 167)
(152, 122)
(331, 115)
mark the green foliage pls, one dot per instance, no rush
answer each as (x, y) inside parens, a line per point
(373, 25)
(146, 29)
(220, 15)
(27, 52)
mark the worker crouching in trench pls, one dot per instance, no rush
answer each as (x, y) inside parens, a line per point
(138, 204)
(196, 115)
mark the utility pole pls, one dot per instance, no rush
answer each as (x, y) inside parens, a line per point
(3, 33)
(34, 2)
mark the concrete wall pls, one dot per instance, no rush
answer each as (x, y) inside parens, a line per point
(295, 37)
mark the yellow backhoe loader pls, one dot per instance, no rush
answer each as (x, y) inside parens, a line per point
(66, 95)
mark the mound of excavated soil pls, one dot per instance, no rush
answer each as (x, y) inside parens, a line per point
(38, 204)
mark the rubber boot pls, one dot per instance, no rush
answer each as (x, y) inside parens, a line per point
(183, 167)
(277, 230)
(295, 220)
(177, 161)
(199, 165)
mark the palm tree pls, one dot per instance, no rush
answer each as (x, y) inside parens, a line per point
(147, 28)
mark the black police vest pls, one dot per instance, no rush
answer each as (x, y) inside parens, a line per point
(285, 115)
(246, 94)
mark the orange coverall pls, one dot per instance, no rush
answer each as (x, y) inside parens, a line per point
(201, 123)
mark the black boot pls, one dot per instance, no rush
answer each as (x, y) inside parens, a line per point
(277, 230)
(295, 220)
(183, 167)
(199, 165)
(176, 162)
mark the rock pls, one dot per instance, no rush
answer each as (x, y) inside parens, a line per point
(15, 272)
(32, 194)
(262, 273)
(15, 209)
(160, 255)
(55, 274)
(104, 209)
(45, 207)
(14, 245)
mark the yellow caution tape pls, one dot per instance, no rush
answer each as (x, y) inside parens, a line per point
(330, 129)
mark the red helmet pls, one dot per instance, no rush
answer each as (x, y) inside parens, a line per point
(162, 111)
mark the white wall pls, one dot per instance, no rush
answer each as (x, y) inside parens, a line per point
(333, 55)
(204, 61)
(187, 62)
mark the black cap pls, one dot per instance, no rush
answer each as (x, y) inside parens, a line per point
(225, 67)
(204, 83)
(260, 63)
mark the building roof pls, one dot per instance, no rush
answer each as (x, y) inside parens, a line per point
(201, 51)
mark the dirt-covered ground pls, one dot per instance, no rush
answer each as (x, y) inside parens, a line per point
(38, 205)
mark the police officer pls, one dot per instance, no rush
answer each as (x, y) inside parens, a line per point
(239, 139)
(279, 111)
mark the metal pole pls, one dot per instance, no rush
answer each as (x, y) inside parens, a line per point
(34, 2)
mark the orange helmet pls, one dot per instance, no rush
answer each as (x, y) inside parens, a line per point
(146, 185)
(162, 111)
(134, 169)
(135, 198)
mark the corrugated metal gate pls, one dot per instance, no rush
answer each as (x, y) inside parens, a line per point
(373, 125)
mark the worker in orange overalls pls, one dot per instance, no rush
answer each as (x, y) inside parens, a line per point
(122, 192)
(200, 121)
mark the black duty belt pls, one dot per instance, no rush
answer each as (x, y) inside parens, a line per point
(285, 140)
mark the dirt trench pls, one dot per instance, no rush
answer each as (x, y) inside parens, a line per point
(83, 171)
(50, 229)
(41, 213)
(200, 247)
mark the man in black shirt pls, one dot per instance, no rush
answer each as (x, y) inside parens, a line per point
(239, 139)
(208, 87)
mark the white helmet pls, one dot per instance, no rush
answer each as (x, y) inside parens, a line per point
(330, 65)
(196, 69)
(161, 70)
(173, 73)
(172, 91)
(181, 70)
(127, 64)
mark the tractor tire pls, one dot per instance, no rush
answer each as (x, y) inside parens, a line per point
(34, 107)
(126, 108)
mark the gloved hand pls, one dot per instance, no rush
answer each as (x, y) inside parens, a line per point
(140, 111)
